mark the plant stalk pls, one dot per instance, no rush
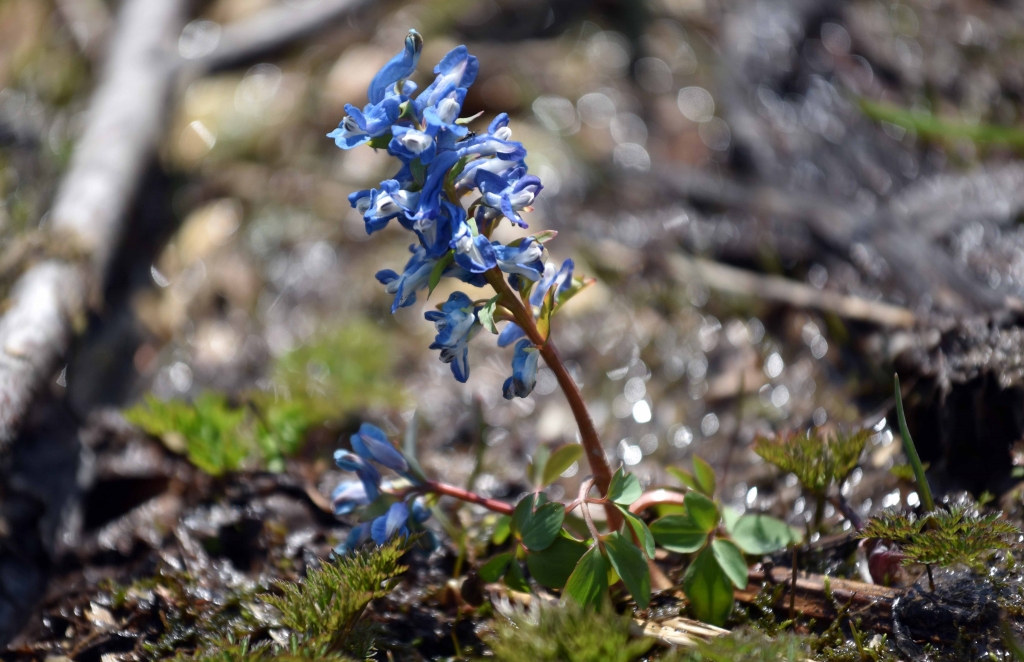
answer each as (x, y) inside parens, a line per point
(465, 495)
(588, 433)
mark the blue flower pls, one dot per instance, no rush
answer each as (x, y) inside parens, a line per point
(420, 512)
(474, 254)
(414, 278)
(456, 324)
(457, 69)
(433, 186)
(381, 205)
(349, 495)
(523, 261)
(368, 474)
(561, 279)
(359, 126)
(524, 371)
(436, 232)
(401, 66)
(408, 143)
(370, 443)
(393, 522)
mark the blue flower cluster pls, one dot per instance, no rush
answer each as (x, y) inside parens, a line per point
(372, 447)
(443, 162)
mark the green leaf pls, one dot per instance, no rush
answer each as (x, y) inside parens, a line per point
(380, 142)
(438, 271)
(588, 583)
(466, 120)
(708, 589)
(546, 309)
(731, 560)
(560, 460)
(624, 488)
(631, 566)
(537, 464)
(502, 529)
(522, 514)
(704, 476)
(683, 476)
(577, 286)
(702, 511)
(643, 534)
(495, 568)
(553, 566)
(486, 314)
(679, 533)
(762, 534)
(911, 450)
(729, 517)
(541, 530)
(514, 578)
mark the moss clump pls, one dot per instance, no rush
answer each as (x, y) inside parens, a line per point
(565, 633)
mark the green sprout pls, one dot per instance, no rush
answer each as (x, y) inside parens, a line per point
(818, 461)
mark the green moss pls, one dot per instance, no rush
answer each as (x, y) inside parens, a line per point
(349, 370)
(565, 633)
(744, 645)
(944, 537)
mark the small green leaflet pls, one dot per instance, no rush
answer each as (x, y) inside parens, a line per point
(495, 568)
(708, 589)
(588, 584)
(762, 534)
(624, 488)
(546, 310)
(679, 533)
(438, 270)
(486, 314)
(502, 529)
(522, 513)
(466, 120)
(639, 527)
(514, 578)
(537, 464)
(683, 476)
(702, 511)
(560, 460)
(731, 560)
(631, 566)
(380, 142)
(577, 286)
(551, 568)
(540, 530)
(704, 476)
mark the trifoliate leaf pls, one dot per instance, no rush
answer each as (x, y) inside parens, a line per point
(553, 566)
(588, 584)
(731, 560)
(708, 589)
(540, 530)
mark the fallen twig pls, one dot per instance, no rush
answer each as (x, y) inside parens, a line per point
(270, 30)
(724, 278)
(124, 122)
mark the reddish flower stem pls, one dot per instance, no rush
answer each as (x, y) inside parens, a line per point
(654, 498)
(465, 495)
(592, 447)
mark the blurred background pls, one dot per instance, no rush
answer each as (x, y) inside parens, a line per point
(782, 201)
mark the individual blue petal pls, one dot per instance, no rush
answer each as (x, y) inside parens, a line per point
(520, 196)
(561, 279)
(474, 254)
(414, 278)
(499, 122)
(367, 473)
(349, 134)
(360, 200)
(372, 444)
(349, 495)
(488, 145)
(401, 66)
(511, 333)
(390, 524)
(420, 512)
(356, 538)
(524, 371)
(433, 186)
